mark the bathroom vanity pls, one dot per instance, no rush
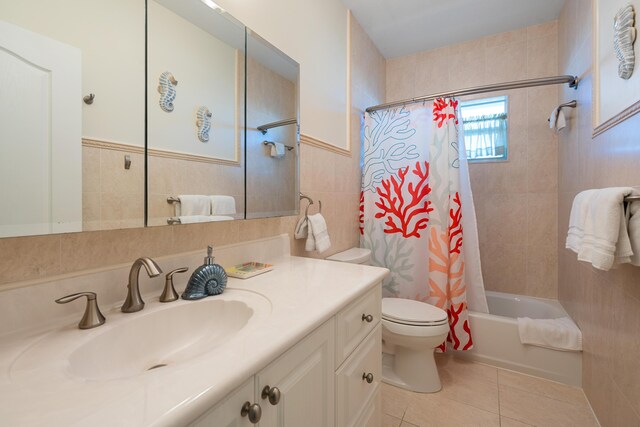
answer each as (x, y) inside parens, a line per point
(299, 345)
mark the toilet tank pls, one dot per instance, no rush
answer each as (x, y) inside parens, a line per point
(353, 256)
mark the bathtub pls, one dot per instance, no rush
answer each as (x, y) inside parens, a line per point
(496, 340)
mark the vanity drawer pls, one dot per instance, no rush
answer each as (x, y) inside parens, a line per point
(352, 323)
(354, 394)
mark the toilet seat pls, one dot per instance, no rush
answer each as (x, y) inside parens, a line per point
(412, 313)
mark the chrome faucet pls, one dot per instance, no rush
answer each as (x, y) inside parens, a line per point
(134, 300)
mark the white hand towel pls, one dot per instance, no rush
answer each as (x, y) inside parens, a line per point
(192, 219)
(318, 228)
(561, 121)
(598, 227)
(559, 334)
(301, 229)
(277, 150)
(634, 231)
(553, 117)
(222, 205)
(193, 205)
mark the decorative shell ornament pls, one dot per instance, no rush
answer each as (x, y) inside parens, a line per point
(208, 279)
(203, 122)
(624, 35)
(167, 90)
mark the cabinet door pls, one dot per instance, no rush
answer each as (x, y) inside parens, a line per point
(304, 376)
(227, 412)
(354, 393)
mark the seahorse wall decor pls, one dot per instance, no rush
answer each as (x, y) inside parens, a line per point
(624, 35)
(203, 122)
(167, 90)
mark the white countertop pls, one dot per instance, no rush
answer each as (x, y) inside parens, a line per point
(303, 292)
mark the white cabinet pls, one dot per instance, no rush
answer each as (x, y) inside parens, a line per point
(304, 377)
(330, 378)
(227, 412)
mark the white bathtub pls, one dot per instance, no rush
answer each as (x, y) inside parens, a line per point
(496, 340)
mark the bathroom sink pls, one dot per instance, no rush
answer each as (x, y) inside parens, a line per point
(159, 337)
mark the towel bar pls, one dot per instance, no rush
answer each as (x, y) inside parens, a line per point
(288, 147)
(173, 220)
(172, 199)
(632, 198)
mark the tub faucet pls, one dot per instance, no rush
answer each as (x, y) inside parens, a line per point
(134, 300)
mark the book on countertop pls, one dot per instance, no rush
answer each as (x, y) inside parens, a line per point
(248, 269)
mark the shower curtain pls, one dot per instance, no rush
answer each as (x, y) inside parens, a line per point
(416, 211)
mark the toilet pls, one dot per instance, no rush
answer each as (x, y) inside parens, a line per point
(411, 330)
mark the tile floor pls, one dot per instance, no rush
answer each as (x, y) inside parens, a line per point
(474, 394)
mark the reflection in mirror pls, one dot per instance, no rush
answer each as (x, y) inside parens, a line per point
(195, 110)
(62, 161)
(271, 154)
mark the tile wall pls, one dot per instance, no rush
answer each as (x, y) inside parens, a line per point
(606, 305)
(332, 178)
(516, 200)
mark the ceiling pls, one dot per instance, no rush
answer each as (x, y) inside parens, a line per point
(403, 27)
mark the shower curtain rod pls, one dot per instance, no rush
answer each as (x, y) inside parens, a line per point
(571, 80)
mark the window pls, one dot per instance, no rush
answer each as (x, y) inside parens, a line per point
(484, 123)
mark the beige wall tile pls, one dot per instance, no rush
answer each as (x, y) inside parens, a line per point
(27, 258)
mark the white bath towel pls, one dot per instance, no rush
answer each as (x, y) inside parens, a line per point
(559, 334)
(193, 205)
(192, 219)
(557, 120)
(222, 205)
(277, 150)
(598, 227)
(318, 233)
(301, 230)
(633, 213)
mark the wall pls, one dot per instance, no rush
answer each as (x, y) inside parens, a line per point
(327, 176)
(606, 305)
(515, 200)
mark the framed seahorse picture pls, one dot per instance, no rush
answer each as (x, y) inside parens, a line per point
(616, 77)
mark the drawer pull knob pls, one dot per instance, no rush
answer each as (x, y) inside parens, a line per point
(253, 411)
(367, 377)
(367, 317)
(273, 393)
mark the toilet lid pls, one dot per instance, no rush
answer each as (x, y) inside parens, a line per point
(410, 312)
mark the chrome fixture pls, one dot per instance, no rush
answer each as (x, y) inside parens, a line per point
(254, 412)
(570, 104)
(92, 316)
(264, 128)
(367, 377)
(572, 81)
(271, 393)
(288, 147)
(88, 99)
(628, 199)
(134, 300)
(169, 293)
(127, 161)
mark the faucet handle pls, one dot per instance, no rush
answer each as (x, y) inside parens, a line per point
(169, 293)
(92, 316)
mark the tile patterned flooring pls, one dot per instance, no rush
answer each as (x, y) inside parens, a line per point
(474, 394)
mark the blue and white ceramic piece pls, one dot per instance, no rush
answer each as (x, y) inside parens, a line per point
(167, 90)
(208, 279)
(203, 122)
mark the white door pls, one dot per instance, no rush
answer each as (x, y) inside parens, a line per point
(304, 376)
(40, 134)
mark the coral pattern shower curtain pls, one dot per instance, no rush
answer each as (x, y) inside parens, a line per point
(411, 208)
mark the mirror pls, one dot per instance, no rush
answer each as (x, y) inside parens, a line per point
(197, 67)
(272, 129)
(63, 162)
(195, 60)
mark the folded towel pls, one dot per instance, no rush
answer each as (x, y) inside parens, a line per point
(559, 334)
(598, 227)
(222, 205)
(318, 232)
(277, 150)
(557, 121)
(192, 219)
(193, 205)
(301, 228)
(633, 212)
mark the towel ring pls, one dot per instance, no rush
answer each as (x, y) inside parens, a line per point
(306, 211)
